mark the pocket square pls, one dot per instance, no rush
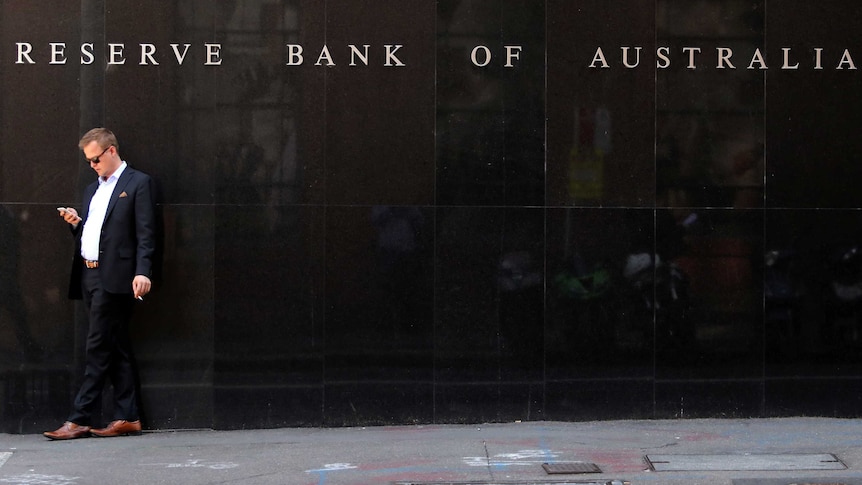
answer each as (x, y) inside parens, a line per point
(124, 194)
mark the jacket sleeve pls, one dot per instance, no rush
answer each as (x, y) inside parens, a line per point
(75, 292)
(145, 228)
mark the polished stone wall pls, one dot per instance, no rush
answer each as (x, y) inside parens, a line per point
(668, 227)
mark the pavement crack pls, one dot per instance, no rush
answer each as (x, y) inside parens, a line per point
(488, 460)
(666, 445)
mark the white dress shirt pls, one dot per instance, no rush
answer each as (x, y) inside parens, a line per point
(96, 215)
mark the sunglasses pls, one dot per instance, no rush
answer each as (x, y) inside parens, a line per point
(96, 159)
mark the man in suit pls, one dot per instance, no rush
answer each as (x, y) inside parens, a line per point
(115, 242)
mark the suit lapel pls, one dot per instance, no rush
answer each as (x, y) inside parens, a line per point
(124, 179)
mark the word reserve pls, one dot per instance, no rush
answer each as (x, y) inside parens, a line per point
(116, 54)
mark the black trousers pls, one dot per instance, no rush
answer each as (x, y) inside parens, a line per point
(109, 353)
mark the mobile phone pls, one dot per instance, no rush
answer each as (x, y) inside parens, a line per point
(63, 211)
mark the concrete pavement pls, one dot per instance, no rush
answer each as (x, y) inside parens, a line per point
(730, 452)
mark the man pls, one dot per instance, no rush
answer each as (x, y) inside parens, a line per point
(115, 242)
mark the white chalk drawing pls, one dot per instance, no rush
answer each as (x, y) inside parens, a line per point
(212, 465)
(333, 467)
(37, 479)
(4, 456)
(519, 458)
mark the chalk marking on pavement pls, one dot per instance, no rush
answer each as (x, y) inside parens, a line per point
(37, 479)
(333, 467)
(212, 465)
(330, 467)
(5, 456)
(519, 458)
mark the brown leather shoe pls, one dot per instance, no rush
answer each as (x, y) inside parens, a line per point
(69, 431)
(119, 427)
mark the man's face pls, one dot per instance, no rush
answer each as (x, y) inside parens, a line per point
(107, 160)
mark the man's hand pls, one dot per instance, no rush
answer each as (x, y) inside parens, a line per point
(141, 285)
(70, 215)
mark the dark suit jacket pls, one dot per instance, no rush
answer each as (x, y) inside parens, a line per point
(128, 240)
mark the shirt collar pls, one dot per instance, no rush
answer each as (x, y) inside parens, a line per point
(114, 176)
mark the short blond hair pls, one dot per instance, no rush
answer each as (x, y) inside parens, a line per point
(103, 136)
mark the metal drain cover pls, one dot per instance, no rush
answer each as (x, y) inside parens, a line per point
(571, 467)
(744, 462)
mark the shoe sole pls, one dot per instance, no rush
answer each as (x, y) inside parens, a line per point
(52, 438)
(130, 433)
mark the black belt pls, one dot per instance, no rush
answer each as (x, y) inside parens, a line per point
(91, 264)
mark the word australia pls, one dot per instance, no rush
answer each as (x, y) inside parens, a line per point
(725, 58)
